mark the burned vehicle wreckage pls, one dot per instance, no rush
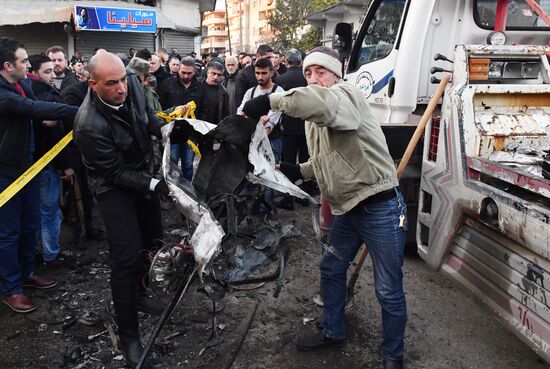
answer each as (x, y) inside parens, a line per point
(225, 205)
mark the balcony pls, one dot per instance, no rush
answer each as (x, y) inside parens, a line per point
(206, 44)
(212, 21)
(212, 32)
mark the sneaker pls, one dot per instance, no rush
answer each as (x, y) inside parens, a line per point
(19, 303)
(40, 282)
(317, 341)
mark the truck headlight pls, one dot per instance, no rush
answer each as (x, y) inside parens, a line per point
(495, 69)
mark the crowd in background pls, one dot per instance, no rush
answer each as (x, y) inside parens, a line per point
(219, 85)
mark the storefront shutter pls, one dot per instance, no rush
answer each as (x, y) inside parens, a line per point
(37, 37)
(181, 41)
(115, 42)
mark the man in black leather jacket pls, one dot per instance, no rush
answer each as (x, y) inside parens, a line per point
(112, 130)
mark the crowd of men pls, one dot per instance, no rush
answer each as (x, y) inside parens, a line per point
(110, 101)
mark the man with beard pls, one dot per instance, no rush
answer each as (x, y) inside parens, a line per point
(180, 90)
(213, 102)
(264, 74)
(63, 75)
(47, 134)
(173, 64)
(230, 81)
(247, 76)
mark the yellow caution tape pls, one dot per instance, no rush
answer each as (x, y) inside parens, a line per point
(177, 114)
(41, 163)
(30, 173)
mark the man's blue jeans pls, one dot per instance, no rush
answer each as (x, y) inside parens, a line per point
(19, 222)
(277, 147)
(50, 212)
(186, 154)
(378, 226)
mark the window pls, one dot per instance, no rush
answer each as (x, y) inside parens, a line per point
(520, 15)
(379, 33)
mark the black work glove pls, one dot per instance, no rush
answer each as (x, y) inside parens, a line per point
(291, 171)
(181, 132)
(162, 188)
(257, 107)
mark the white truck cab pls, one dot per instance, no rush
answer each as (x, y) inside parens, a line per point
(394, 50)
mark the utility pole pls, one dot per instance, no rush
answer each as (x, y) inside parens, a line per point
(241, 25)
(227, 25)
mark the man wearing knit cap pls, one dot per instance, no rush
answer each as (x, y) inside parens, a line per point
(140, 67)
(356, 175)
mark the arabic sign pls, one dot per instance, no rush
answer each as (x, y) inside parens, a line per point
(93, 18)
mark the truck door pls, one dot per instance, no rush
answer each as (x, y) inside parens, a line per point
(374, 54)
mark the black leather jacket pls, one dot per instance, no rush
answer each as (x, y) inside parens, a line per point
(117, 152)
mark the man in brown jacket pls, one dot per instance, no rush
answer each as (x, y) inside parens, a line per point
(356, 175)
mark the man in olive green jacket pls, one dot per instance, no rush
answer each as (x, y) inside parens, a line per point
(356, 175)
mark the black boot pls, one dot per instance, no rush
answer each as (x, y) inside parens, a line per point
(125, 302)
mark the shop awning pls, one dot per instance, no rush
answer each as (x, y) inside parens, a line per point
(15, 12)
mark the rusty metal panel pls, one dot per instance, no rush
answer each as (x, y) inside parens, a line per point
(513, 124)
(507, 174)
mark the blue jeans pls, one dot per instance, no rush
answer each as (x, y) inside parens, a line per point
(377, 225)
(186, 154)
(277, 147)
(50, 212)
(19, 222)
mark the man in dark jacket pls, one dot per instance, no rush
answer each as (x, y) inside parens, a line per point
(294, 136)
(74, 95)
(112, 130)
(230, 81)
(158, 71)
(47, 134)
(247, 77)
(20, 216)
(63, 75)
(180, 90)
(213, 103)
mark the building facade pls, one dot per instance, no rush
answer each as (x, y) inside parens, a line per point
(214, 33)
(39, 24)
(347, 11)
(248, 24)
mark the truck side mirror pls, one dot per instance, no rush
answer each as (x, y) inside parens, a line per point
(342, 39)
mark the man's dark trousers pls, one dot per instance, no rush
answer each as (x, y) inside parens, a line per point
(132, 221)
(19, 223)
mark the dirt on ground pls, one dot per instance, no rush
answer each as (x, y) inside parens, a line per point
(447, 327)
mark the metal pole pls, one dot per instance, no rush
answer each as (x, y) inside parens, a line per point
(227, 25)
(241, 25)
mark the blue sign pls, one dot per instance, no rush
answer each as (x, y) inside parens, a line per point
(93, 18)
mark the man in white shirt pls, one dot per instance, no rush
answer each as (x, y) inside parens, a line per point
(264, 74)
